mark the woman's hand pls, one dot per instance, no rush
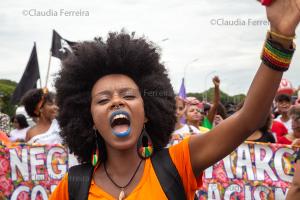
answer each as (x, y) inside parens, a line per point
(284, 16)
(216, 81)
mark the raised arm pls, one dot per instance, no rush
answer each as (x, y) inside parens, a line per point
(213, 109)
(284, 16)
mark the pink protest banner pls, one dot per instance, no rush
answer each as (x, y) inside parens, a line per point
(31, 171)
(252, 172)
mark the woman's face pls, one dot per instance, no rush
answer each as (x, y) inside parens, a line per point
(117, 109)
(16, 124)
(283, 106)
(49, 110)
(193, 114)
(180, 108)
(296, 125)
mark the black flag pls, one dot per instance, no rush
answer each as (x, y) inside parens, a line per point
(29, 78)
(60, 47)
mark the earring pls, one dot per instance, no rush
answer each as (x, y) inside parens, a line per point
(95, 155)
(144, 145)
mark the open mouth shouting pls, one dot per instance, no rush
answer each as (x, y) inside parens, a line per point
(120, 123)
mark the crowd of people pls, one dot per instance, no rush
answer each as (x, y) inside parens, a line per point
(40, 106)
(281, 125)
(193, 117)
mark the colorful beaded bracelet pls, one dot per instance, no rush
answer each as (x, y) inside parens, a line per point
(282, 36)
(275, 56)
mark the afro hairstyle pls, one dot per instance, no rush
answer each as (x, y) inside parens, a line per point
(121, 53)
(32, 97)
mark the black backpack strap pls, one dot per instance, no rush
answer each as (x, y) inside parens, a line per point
(167, 175)
(79, 181)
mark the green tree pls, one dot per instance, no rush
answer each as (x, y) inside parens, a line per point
(225, 98)
(7, 87)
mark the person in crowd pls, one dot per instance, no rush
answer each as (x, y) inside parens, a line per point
(194, 116)
(210, 110)
(283, 104)
(180, 110)
(294, 114)
(20, 124)
(263, 133)
(40, 104)
(230, 108)
(221, 114)
(110, 121)
(294, 190)
(196, 121)
(280, 132)
(294, 137)
(4, 123)
(21, 110)
(181, 130)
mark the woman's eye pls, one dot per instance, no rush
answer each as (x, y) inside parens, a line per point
(102, 101)
(129, 97)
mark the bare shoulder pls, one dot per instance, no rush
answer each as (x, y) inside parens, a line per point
(31, 132)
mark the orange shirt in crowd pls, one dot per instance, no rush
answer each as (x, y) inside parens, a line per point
(4, 139)
(149, 187)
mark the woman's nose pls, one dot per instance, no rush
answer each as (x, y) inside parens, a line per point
(117, 102)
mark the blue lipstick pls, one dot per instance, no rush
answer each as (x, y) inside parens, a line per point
(124, 133)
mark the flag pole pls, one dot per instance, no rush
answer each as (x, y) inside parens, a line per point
(49, 62)
(41, 82)
(39, 71)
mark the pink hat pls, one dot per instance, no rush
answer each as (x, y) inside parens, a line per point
(285, 87)
(194, 101)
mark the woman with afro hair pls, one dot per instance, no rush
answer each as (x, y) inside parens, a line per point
(117, 111)
(40, 104)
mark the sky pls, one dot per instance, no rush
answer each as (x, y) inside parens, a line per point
(198, 38)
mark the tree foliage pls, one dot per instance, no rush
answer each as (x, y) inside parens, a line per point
(7, 88)
(225, 98)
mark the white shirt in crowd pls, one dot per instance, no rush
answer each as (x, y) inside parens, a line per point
(287, 124)
(18, 134)
(51, 136)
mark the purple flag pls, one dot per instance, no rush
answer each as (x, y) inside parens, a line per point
(182, 95)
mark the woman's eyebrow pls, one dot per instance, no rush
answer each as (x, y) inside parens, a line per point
(126, 89)
(120, 91)
(104, 92)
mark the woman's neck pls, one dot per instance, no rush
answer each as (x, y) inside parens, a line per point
(194, 123)
(178, 125)
(284, 117)
(122, 161)
(44, 121)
